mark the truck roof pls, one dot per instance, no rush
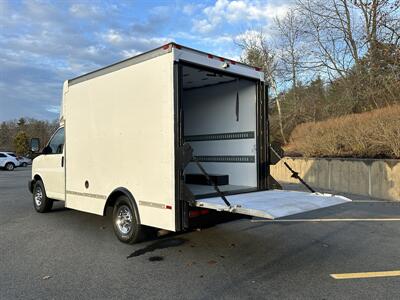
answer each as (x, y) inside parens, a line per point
(149, 55)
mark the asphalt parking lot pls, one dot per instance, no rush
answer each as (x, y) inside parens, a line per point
(70, 254)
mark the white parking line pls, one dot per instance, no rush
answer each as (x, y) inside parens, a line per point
(374, 201)
(329, 220)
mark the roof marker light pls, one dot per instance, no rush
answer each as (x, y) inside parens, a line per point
(165, 47)
(222, 59)
(210, 56)
(257, 69)
(225, 65)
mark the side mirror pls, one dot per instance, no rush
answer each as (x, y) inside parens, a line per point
(35, 145)
(47, 150)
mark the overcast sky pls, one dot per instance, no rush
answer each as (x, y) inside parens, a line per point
(43, 43)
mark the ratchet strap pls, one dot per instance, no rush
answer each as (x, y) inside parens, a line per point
(210, 181)
(294, 173)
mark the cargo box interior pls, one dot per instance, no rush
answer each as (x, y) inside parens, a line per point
(219, 122)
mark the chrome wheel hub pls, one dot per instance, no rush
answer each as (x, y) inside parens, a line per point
(38, 196)
(124, 219)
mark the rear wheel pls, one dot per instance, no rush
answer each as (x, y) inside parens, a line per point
(125, 221)
(9, 166)
(24, 164)
(40, 201)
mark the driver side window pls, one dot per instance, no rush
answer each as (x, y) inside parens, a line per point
(57, 142)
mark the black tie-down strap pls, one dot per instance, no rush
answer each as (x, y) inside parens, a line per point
(185, 154)
(210, 181)
(297, 176)
(294, 173)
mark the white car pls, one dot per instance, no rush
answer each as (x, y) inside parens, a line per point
(24, 161)
(8, 161)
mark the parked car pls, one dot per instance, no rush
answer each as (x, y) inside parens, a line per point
(24, 161)
(15, 155)
(8, 161)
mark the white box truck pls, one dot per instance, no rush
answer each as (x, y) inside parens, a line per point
(160, 136)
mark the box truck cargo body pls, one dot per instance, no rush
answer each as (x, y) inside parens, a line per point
(153, 135)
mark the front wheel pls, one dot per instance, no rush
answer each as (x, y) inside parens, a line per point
(40, 201)
(125, 221)
(24, 164)
(9, 166)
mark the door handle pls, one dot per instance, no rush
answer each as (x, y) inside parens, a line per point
(62, 161)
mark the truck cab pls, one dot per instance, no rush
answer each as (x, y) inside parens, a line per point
(49, 167)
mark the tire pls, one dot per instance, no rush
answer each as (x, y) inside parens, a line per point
(41, 203)
(9, 166)
(126, 221)
(24, 164)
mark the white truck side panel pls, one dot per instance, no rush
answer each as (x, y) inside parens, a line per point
(120, 133)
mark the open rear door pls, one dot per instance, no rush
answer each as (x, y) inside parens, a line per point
(272, 204)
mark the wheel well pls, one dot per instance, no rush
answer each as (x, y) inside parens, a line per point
(114, 196)
(37, 177)
(32, 182)
(111, 200)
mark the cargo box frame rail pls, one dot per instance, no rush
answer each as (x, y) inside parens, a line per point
(146, 133)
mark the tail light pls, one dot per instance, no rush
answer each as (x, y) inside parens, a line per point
(196, 213)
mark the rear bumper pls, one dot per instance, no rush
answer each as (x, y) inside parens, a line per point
(30, 185)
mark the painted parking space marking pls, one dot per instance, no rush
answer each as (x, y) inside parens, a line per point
(329, 220)
(366, 275)
(374, 201)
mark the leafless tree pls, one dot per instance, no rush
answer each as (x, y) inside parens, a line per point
(257, 52)
(381, 23)
(331, 30)
(290, 46)
(328, 58)
(343, 30)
